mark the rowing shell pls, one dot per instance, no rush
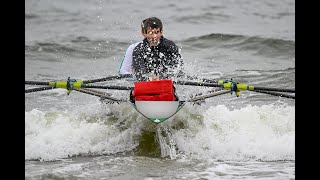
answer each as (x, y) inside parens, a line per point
(155, 100)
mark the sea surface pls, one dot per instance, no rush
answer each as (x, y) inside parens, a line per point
(77, 136)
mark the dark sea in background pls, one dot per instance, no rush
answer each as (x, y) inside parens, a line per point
(77, 137)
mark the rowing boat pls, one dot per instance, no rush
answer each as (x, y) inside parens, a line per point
(157, 100)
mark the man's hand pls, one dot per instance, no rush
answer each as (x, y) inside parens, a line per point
(154, 78)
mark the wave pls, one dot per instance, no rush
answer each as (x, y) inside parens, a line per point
(284, 78)
(261, 45)
(206, 17)
(31, 16)
(213, 132)
(79, 47)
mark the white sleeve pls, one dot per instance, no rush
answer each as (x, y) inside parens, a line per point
(125, 66)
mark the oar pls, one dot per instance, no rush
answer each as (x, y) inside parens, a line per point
(108, 78)
(198, 98)
(84, 82)
(181, 82)
(100, 94)
(39, 89)
(36, 83)
(273, 89)
(75, 85)
(108, 87)
(203, 80)
(232, 86)
(277, 94)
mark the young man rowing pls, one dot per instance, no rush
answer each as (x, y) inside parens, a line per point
(155, 57)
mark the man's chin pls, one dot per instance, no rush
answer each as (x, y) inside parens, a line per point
(153, 43)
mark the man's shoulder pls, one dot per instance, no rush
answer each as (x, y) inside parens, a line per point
(132, 46)
(135, 44)
(138, 45)
(169, 44)
(138, 48)
(167, 41)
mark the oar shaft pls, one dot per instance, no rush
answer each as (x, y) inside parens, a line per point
(38, 89)
(107, 78)
(277, 94)
(208, 95)
(36, 83)
(108, 87)
(203, 80)
(274, 89)
(100, 94)
(198, 84)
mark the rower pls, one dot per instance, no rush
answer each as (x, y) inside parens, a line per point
(153, 58)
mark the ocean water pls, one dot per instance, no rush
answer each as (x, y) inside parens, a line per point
(76, 136)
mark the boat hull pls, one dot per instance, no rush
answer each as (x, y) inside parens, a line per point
(157, 111)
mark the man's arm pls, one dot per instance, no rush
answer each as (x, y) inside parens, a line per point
(175, 59)
(138, 65)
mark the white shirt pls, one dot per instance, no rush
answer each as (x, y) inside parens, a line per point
(125, 66)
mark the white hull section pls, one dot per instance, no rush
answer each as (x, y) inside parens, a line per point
(157, 109)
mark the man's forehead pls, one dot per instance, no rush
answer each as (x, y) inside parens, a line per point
(153, 29)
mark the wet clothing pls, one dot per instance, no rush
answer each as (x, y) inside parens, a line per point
(163, 60)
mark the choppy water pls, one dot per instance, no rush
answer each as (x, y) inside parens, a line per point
(76, 137)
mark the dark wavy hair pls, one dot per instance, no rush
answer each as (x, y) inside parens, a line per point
(152, 22)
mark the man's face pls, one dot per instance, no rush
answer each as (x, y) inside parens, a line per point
(153, 36)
